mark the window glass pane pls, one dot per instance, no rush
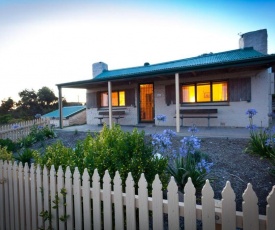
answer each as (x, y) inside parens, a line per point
(121, 98)
(114, 98)
(219, 91)
(203, 92)
(188, 93)
(104, 99)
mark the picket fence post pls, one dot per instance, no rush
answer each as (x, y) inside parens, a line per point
(208, 206)
(45, 191)
(77, 199)
(173, 202)
(118, 202)
(96, 201)
(21, 196)
(143, 203)
(33, 196)
(54, 198)
(107, 202)
(69, 199)
(86, 191)
(6, 192)
(2, 204)
(270, 210)
(228, 208)
(157, 204)
(16, 195)
(61, 207)
(39, 196)
(130, 203)
(11, 194)
(250, 209)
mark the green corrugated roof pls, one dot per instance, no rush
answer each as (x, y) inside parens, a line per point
(202, 60)
(67, 111)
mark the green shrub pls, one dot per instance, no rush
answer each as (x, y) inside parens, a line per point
(11, 146)
(57, 155)
(37, 134)
(48, 132)
(25, 156)
(26, 142)
(5, 155)
(115, 150)
(261, 140)
(112, 150)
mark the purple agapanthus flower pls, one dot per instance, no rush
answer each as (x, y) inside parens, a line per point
(15, 126)
(37, 116)
(162, 142)
(204, 165)
(193, 129)
(272, 114)
(270, 142)
(161, 117)
(189, 145)
(251, 127)
(169, 132)
(251, 112)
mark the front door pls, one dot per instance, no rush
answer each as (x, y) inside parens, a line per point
(146, 97)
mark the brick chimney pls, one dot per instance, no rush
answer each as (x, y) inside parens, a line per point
(98, 68)
(256, 39)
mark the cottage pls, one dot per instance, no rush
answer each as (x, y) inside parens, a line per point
(72, 115)
(213, 89)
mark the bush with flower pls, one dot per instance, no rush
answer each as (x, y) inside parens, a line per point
(261, 140)
(186, 161)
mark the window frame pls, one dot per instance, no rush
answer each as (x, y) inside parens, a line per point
(195, 84)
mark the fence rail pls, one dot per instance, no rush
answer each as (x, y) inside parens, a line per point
(29, 195)
(21, 129)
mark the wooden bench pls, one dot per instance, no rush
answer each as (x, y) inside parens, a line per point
(117, 114)
(198, 113)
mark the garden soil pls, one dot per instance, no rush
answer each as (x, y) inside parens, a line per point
(231, 163)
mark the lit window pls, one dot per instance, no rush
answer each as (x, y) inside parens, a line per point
(205, 92)
(121, 98)
(114, 98)
(118, 98)
(219, 91)
(104, 99)
(188, 93)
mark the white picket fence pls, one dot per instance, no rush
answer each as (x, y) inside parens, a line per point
(21, 129)
(25, 193)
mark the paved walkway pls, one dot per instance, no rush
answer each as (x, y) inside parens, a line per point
(150, 129)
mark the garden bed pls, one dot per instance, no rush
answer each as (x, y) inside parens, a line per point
(231, 163)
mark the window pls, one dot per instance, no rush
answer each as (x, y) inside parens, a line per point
(188, 93)
(118, 98)
(204, 92)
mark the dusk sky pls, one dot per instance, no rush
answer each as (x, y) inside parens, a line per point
(46, 42)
